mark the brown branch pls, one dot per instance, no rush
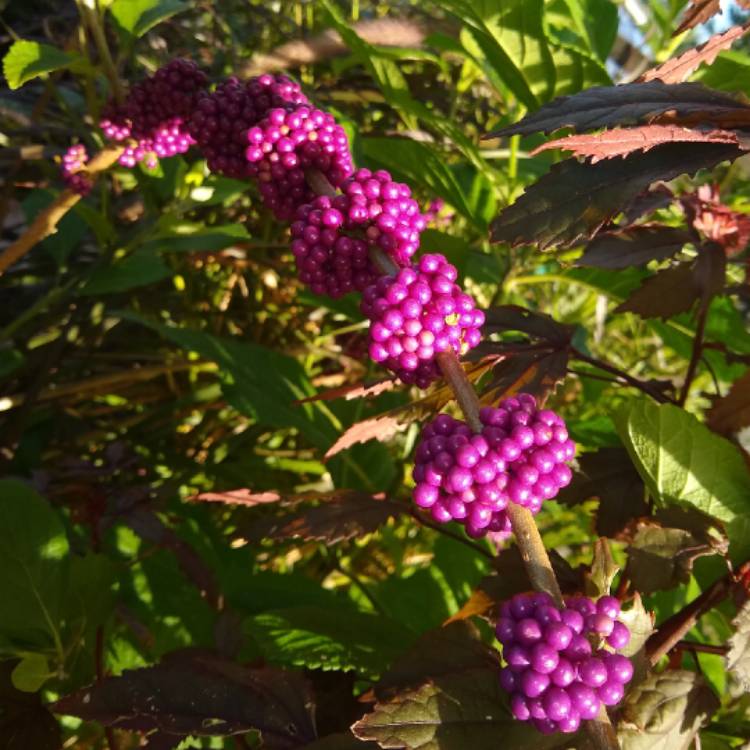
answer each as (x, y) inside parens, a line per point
(47, 220)
(697, 353)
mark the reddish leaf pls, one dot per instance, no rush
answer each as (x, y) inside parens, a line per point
(352, 515)
(191, 693)
(384, 426)
(350, 392)
(242, 496)
(698, 12)
(629, 104)
(25, 724)
(622, 141)
(710, 271)
(730, 414)
(634, 246)
(647, 202)
(574, 200)
(677, 69)
(666, 293)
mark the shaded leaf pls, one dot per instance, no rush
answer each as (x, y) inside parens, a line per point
(609, 475)
(340, 741)
(454, 648)
(537, 373)
(677, 69)
(698, 12)
(139, 269)
(627, 104)
(25, 724)
(456, 712)
(201, 694)
(139, 16)
(340, 639)
(623, 141)
(666, 711)
(640, 623)
(574, 199)
(31, 673)
(660, 196)
(731, 413)
(25, 60)
(33, 566)
(679, 460)
(668, 292)
(351, 514)
(661, 558)
(634, 246)
(738, 656)
(537, 325)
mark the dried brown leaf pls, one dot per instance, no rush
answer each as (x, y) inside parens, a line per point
(622, 141)
(350, 392)
(677, 69)
(241, 496)
(698, 12)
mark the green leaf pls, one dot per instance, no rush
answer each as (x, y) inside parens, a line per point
(31, 673)
(139, 269)
(139, 16)
(259, 382)
(26, 60)
(198, 239)
(329, 639)
(682, 462)
(33, 567)
(666, 712)
(10, 361)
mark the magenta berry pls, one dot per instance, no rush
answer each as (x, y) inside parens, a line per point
(485, 472)
(73, 163)
(415, 315)
(155, 112)
(326, 261)
(558, 681)
(222, 118)
(285, 144)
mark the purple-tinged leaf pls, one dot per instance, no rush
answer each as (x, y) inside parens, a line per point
(630, 104)
(634, 246)
(197, 693)
(574, 200)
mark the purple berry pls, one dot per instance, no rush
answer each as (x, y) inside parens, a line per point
(528, 631)
(608, 605)
(72, 167)
(557, 704)
(592, 672)
(533, 684)
(584, 699)
(619, 637)
(544, 658)
(619, 668)
(611, 692)
(558, 635)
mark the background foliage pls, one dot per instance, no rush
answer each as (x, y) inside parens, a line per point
(192, 490)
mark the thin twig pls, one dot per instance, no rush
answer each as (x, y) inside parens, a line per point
(445, 531)
(697, 353)
(641, 385)
(46, 221)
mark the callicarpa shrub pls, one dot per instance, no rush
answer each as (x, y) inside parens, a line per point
(213, 528)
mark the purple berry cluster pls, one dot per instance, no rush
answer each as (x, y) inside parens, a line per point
(154, 114)
(285, 144)
(327, 261)
(520, 456)
(381, 212)
(72, 166)
(222, 118)
(554, 675)
(417, 314)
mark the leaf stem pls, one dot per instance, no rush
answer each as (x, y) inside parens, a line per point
(641, 385)
(92, 20)
(695, 357)
(445, 531)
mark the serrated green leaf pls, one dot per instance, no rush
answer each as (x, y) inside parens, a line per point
(33, 567)
(329, 639)
(26, 60)
(682, 462)
(738, 656)
(31, 673)
(139, 16)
